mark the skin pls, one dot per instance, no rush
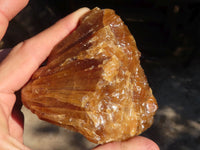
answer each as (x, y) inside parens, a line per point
(28, 55)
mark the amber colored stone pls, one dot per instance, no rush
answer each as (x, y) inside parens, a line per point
(93, 82)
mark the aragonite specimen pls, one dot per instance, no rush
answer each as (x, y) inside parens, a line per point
(93, 82)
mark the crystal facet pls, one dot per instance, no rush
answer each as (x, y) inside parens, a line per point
(93, 82)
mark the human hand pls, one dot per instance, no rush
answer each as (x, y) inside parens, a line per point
(18, 67)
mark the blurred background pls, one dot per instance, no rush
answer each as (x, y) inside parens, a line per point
(167, 33)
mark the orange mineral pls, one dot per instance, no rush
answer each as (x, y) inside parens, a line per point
(93, 82)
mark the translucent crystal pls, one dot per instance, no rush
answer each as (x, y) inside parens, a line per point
(93, 82)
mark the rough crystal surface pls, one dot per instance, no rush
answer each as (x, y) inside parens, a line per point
(93, 82)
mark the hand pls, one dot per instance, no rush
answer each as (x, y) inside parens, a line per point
(17, 68)
(20, 64)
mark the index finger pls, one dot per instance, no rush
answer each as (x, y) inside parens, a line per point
(27, 56)
(9, 9)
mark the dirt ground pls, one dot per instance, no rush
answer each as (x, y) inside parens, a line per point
(172, 66)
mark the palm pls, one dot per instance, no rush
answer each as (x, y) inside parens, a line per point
(11, 129)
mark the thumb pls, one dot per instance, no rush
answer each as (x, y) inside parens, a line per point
(136, 143)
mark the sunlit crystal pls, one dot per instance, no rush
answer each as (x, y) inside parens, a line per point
(93, 82)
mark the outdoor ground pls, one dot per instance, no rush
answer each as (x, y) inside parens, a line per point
(167, 36)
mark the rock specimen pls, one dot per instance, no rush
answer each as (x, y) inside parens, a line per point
(93, 82)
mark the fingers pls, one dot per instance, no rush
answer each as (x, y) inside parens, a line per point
(3, 25)
(27, 56)
(9, 143)
(136, 143)
(16, 120)
(16, 125)
(8, 9)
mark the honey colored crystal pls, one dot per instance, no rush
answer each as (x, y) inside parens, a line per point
(93, 82)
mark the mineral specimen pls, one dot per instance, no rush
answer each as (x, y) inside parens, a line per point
(93, 82)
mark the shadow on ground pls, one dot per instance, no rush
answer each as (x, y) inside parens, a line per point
(167, 33)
